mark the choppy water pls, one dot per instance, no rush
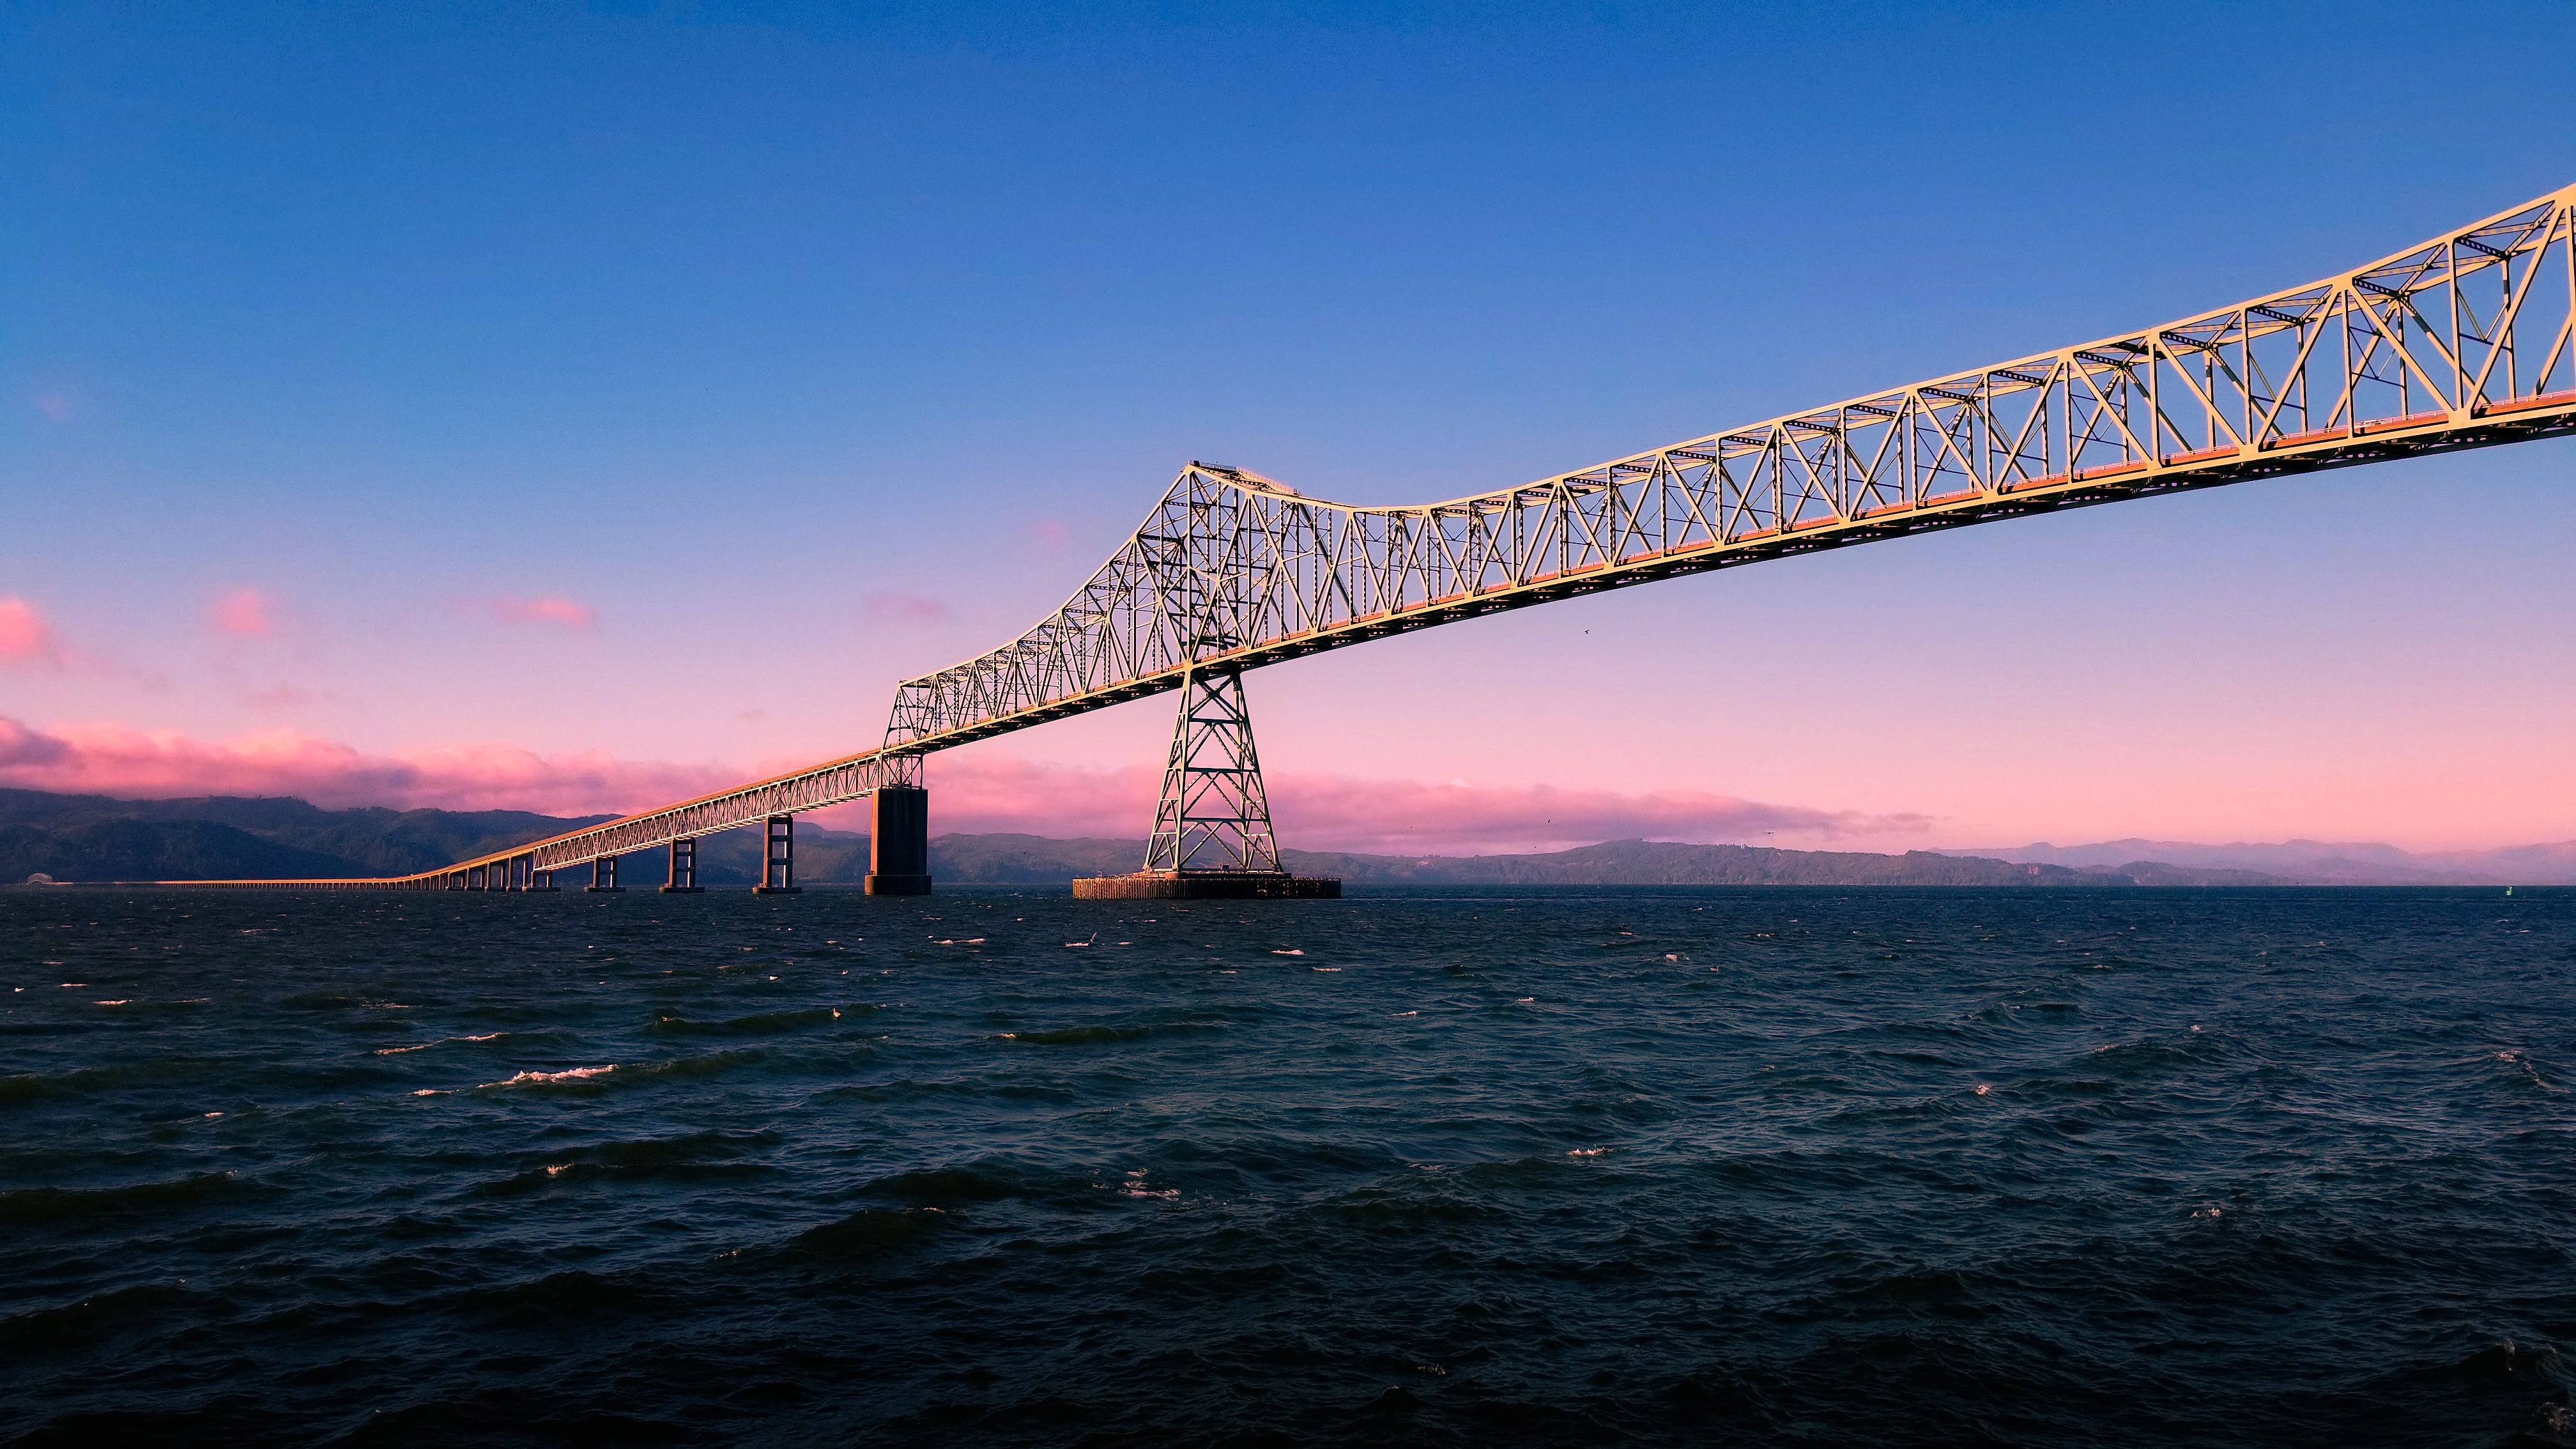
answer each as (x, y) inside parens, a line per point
(1785, 1166)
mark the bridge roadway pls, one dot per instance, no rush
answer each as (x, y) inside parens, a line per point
(2465, 341)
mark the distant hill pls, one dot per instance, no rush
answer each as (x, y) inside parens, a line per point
(1034, 859)
(94, 837)
(1654, 862)
(2317, 862)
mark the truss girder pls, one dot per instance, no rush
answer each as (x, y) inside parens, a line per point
(2467, 340)
(2460, 342)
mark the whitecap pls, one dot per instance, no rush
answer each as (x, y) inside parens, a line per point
(539, 1079)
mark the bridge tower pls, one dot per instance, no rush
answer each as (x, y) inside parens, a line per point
(1214, 814)
(1212, 836)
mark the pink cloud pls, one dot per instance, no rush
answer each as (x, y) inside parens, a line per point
(968, 796)
(280, 695)
(247, 612)
(25, 637)
(117, 759)
(1409, 815)
(546, 609)
(903, 608)
(1315, 812)
(57, 404)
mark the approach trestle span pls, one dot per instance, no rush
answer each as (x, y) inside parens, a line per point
(2465, 341)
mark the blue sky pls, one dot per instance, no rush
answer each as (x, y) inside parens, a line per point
(809, 347)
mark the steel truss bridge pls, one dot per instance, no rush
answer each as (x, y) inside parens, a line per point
(2465, 341)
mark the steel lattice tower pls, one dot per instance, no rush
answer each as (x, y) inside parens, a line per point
(1214, 814)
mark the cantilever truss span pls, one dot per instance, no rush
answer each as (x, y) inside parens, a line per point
(2466, 341)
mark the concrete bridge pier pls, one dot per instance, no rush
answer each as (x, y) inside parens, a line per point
(603, 876)
(778, 858)
(899, 842)
(683, 879)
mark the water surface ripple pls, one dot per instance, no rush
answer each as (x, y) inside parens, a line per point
(1440, 1167)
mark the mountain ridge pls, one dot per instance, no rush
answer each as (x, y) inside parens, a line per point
(2317, 862)
(100, 838)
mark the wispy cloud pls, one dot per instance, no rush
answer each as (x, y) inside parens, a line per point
(546, 609)
(26, 639)
(1409, 815)
(115, 759)
(1321, 812)
(281, 695)
(970, 795)
(57, 403)
(249, 613)
(887, 607)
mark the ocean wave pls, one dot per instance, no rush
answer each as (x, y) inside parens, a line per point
(557, 1301)
(77, 1325)
(691, 1156)
(1378, 1208)
(758, 1024)
(27, 1086)
(56, 1204)
(512, 1039)
(1103, 1035)
(2150, 1055)
(630, 1074)
(909, 1090)
(573, 1077)
(319, 1001)
(868, 1234)
(1077, 1035)
(985, 1180)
